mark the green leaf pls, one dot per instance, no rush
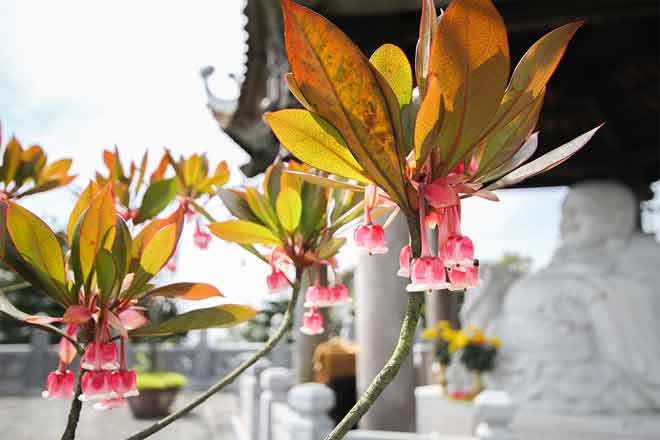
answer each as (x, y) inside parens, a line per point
(226, 315)
(393, 64)
(38, 245)
(262, 209)
(190, 291)
(272, 178)
(121, 248)
(331, 247)
(314, 141)
(244, 232)
(545, 162)
(157, 197)
(106, 275)
(289, 209)
(237, 205)
(338, 81)
(315, 203)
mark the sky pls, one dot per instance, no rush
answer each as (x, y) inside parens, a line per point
(78, 77)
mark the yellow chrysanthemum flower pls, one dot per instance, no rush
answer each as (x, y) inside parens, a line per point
(430, 334)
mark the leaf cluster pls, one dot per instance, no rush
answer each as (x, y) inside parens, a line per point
(289, 212)
(360, 120)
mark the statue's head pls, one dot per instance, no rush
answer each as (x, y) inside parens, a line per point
(596, 213)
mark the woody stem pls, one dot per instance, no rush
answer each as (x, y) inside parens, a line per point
(74, 411)
(401, 350)
(284, 327)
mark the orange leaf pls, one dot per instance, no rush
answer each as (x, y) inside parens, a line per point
(470, 54)
(337, 80)
(429, 120)
(191, 291)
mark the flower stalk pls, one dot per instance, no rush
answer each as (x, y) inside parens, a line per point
(74, 411)
(401, 350)
(284, 327)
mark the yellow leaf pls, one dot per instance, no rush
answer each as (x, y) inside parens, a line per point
(289, 209)
(316, 142)
(81, 205)
(97, 229)
(244, 232)
(157, 251)
(393, 64)
(37, 244)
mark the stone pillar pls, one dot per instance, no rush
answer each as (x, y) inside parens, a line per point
(249, 391)
(275, 383)
(381, 301)
(311, 403)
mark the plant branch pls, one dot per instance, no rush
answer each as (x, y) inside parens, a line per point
(284, 327)
(389, 371)
(400, 353)
(74, 411)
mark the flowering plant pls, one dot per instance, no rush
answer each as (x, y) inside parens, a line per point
(27, 172)
(477, 352)
(296, 223)
(468, 131)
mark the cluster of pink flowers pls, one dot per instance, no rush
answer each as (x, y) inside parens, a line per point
(318, 296)
(105, 376)
(454, 267)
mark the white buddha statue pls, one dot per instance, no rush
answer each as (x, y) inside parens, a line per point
(583, 334)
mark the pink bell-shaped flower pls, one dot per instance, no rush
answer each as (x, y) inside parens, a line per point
(404, 262)
(427, 273)
(201, 238)
(339, 294)
(100, 357)
(95, 385)
(123, 383)
(59, 385)
(458, 251)
(111, 403)
(277, 281)
(317, 296)
(370, 238)
(463, 278)
(312, 322)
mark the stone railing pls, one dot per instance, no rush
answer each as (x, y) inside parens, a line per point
(24, 367)
(272, 408)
